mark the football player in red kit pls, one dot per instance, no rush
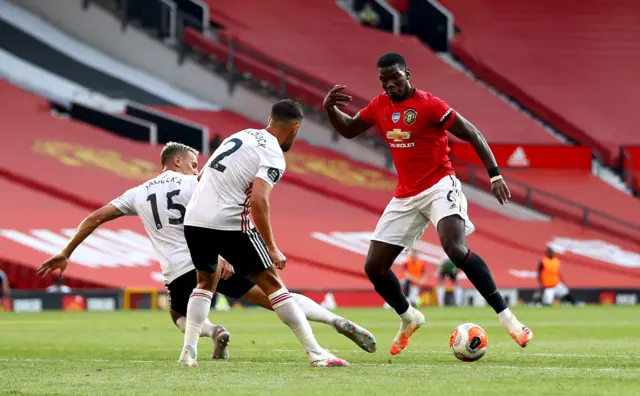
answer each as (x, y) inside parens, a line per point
(415, 125)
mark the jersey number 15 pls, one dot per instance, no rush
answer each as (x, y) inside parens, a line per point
(170, 205)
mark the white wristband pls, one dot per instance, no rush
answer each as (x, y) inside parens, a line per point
(496, 178)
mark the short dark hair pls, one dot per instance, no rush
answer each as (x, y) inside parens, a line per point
(286, 110)
(172, 149)
(391, 59)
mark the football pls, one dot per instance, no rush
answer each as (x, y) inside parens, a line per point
(468, 342)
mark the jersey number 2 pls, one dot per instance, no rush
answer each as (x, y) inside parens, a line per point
(215, 164)
(170, 205)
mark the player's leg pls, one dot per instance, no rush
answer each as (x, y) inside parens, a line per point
(440, 290)
(238, 286)
(377, 266)
(451, 230)
(563, 292)
(413, 294)
(457, 289)
(548, 295)
(400, 226)
(290, 314)
(205, 259)
(178, 294)
(313, 311)
(247, 252)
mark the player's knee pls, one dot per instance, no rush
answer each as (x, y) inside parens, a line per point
(268, 281)
(374, 270)
(456, 251)
(205, 280)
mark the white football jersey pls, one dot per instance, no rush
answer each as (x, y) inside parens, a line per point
(222, 200)
(161, 205)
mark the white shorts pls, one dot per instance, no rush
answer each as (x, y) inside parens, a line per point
(405, 219)
(551, 293)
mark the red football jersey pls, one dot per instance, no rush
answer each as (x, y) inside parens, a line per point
(416, 131)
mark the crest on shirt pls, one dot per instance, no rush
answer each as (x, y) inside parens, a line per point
(274, 175)
(395, 117)
(410, 116)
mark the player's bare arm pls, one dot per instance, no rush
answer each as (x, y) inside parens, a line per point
(347, 126)
(464, 130)
(86, 228)
(262, 219)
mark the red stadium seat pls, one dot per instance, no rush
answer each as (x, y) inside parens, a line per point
(323, 213)
(334, 49)
(210, 47)
(573, 64)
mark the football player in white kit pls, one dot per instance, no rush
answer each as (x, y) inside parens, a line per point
(235, 183)
(161, 204)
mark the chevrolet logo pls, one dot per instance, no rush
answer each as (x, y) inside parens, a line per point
(398, 135)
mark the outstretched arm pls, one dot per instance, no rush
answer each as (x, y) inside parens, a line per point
(347, 126)
(88, 225)
(464, 130)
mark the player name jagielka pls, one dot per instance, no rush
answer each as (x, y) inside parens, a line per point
(175, 179)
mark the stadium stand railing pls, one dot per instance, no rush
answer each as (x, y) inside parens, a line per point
(539, 199)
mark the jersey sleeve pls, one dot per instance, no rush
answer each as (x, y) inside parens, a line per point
(272, 167)
(368, 114)
(440, 113)
(126, 203)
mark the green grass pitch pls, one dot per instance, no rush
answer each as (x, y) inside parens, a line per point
(577, 351)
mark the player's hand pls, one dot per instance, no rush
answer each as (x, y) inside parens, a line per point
(227, 270)
(336, 97)
(500, 190)
(57, 262)
(279, 259)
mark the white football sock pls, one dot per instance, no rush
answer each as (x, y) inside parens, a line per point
(207, 327)
(440, 295)
(290, 314)
(314, 311)
(509, 321)
(407, 315)
(457, 296)
(197, 312)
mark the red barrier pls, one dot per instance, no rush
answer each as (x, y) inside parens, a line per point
(349, 298)
(529, 157)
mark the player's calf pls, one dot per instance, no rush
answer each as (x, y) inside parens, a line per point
(451, 231)
(290, 314)
(197, 311)
(380, 258)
